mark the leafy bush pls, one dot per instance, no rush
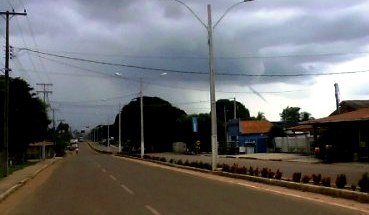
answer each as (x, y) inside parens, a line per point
(353, 187)
(278, 174)
(146, 157)
(226, 168)
(241, 170)
(163, 159)
(326, 181)
(270, 173)
(364, 183)
(264, 173)
(179, 162)
(234, 168)
(251, 171)
(296, 177)
(171, 160)
(341, 181)
(186, 163)
(317, 179)
(306, 179)
(207, 166)
(256, 172)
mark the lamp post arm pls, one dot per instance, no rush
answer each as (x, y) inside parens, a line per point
(193, 13)
(229, 9)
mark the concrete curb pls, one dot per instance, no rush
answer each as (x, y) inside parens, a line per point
(18, 185)
(98, 150)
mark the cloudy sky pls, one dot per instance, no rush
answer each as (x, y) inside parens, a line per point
(268, 54)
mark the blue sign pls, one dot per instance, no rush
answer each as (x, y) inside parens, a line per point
(194, 124)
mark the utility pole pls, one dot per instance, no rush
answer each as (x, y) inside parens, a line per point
(214, 139)
(142, 121)
(5, 151)
(234, 108)
(108, 135)
(44, 91)
(46, 98)
(120, 130)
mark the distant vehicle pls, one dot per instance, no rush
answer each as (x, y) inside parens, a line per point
(73, 147)
(80, 139)
(73, 141)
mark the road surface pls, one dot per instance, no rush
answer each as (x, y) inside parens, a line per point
(92, 183)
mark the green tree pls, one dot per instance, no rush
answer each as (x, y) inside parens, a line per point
(225, 112)
(305, 116)
(290, 114)
(260, 116)
(160, 119)
(28, 121)
(62, 138)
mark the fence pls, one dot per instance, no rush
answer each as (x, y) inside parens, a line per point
(294, 144)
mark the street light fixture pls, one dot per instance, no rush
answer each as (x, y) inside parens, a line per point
(210, 27)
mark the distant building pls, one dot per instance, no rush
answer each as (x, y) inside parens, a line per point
(250, 136)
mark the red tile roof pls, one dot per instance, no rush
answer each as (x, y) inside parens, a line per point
(358, 115)
(255, 127)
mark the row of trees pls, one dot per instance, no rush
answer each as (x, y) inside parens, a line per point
(28, 120)
(165, 124)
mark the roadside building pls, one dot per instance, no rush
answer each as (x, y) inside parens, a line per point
(344, 135)
(250, 136)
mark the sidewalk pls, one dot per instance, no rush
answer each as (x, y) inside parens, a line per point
(276, 157)
(14, 181)
(102, 148)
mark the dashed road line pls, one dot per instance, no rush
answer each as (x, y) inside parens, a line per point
(127, 189)
(113, 178)
(152, 210)
(103, 170)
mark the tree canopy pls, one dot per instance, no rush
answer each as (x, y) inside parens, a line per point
(28, 120)
(160, 119)
(293, 115)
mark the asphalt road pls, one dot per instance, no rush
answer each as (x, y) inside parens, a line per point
(92, 183)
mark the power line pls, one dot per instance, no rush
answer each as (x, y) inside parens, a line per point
(197, 57)
(192, 72)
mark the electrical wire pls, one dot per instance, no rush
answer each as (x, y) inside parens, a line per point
(192, 72)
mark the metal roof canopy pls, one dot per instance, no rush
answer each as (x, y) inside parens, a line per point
(353, 116)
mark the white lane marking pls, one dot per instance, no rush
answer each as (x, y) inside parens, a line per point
(152, 210)
(103, 170)
(127, 189)
(113, 178)
(320, 198)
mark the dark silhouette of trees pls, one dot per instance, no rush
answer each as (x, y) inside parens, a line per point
(160, 123)
(28, 120)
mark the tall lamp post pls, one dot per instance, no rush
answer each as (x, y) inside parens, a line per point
(141, 116)
(210, 27)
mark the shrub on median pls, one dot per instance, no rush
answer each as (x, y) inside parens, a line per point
(341, 181)
(296, 177)
(364, 183)
(326, 181)
(317, 179)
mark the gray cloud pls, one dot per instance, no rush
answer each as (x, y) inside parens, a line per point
(164, 34)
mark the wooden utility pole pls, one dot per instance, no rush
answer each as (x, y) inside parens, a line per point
(5, 151)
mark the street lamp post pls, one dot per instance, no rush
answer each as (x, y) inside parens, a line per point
(120, 131)
(210, 27)
(142, 120)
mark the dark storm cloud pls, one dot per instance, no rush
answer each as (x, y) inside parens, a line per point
(164, 34)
